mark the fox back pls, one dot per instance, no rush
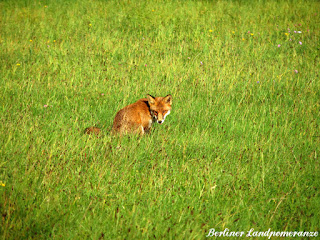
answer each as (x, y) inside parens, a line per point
(139, 116)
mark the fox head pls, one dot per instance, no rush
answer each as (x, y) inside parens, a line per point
(159, 107)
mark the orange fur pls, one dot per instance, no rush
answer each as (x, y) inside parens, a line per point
(139, 116)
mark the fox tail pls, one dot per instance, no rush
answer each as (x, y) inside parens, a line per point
(92, 130)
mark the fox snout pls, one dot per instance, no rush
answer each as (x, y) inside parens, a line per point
(160, 116)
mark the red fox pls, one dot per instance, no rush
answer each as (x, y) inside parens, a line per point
(139, 116)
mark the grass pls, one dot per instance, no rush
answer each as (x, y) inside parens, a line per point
(240, 149)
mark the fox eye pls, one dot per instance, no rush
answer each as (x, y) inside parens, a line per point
(164, 112)
(155, 113)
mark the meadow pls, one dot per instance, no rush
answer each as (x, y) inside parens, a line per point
(240, 149)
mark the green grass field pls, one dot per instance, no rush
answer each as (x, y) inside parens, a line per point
(239, 150)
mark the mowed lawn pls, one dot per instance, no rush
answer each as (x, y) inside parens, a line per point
(239, 151)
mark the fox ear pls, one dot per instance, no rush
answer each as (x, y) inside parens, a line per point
(168, 99)
(151, 99)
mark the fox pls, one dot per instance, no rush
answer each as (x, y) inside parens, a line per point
(138, 117)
